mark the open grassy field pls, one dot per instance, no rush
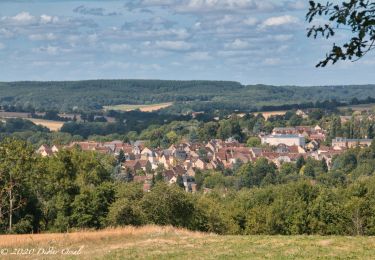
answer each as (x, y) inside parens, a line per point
(52, 125)
(152, 242)
(143, 108)
(267, 115)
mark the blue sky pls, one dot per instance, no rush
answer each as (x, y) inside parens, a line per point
(250, 41)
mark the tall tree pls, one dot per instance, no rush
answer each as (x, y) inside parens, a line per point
(16, 159)
(121, 157)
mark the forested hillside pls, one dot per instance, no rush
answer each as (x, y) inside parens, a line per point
(187, 95)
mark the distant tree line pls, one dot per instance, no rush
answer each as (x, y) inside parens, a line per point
(326, 104)
(188, 96)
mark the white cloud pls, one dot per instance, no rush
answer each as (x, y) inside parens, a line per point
(272, 61)
(223, 5)
(117, 48)
(45, 19)
(4, 32)
(43, 37)
(199, 56)
(298, 5)
(2, 46)
(173, 45)
(227, 19)
(177, 33)
(93, 11)
(237, 44)
(50, 63)
(282, 48)
(250, 21)
(92, 38)
(23, 18)
(280, 20)
(214, 6)
(116, 64)
(283, 37)
(50, 50)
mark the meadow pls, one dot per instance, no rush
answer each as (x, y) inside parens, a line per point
(268, 114)
(51, 125)
(143, 108)
(154, 242)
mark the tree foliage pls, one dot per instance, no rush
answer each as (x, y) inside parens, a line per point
(355, 16)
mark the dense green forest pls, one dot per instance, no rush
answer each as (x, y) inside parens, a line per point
(188, 96)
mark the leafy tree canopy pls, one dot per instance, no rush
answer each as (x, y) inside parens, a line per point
(355, 16)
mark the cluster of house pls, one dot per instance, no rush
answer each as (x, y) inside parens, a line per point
(285, 144)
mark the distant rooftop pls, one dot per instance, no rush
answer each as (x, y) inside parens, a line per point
(283, 136)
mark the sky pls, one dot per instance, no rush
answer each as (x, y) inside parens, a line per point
(250, 41)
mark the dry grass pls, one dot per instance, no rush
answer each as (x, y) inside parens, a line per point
(19, 240)
(267, 115)
(153, 242)
(143, 108)
(52, 125)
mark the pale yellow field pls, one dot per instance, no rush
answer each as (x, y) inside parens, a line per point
(52, 125)
(143, 108)
(267, 115)
(153, 242)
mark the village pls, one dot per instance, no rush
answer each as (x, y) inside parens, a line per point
(180, 161)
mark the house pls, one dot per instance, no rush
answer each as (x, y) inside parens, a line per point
(339, 143)
(189, 182)
(166, 161)
(191, 172)
(282, 148)
(44, 150)
(283, 130)
(289, 140)
(281, 159)
(180, 155)
(103, 150)
(170, 177)
(179, 170)
(146, 152)
(133, 165)
(145, 164)
(147, 186)
(313, 145)
(301, 113)
(85, 146)
(55, 149)
(199, 164)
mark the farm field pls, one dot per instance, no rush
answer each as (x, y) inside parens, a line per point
(266, 115)
(52, 125)
(153, 242)
(143, 108)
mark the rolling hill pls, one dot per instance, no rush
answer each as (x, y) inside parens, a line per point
(66, 96)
